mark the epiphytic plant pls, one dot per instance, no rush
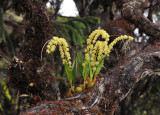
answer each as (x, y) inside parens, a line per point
(97, 49)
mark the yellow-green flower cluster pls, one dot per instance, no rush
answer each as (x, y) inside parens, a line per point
(93, 38)
(122, 37)
(63, 48)
(96, 48)
(97, 52)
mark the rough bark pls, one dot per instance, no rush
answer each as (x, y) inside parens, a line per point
(110, 88)
(27, 67)
(134, 15)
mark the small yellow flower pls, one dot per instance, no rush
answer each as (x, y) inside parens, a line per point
(62, 55)
(64, 61)
(85, 50)
(97, 63)
(98, 57)
(50, 43)
(93, 63)
(94, 68)
(69, 63)
(52, 48)
(88, 41)
(48, 51)
(48, 46)
(87, 56)
(83, 64)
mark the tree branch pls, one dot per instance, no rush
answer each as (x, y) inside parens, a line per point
(110, 88)
(134, 15)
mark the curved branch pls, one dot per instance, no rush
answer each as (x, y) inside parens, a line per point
(134, 15)
(110, 89)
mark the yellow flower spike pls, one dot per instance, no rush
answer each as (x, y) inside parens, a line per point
(63, 48)
(110, 47)
(95, 38)
(96, 48)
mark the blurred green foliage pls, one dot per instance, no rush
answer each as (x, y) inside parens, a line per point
(2, 31)
(7, 103)
(3, 67)
(149, 101)
(75, 29)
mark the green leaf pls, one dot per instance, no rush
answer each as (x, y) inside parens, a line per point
(102, 57)
(74, 65)
(69, 74)
(74, 29)
(99, 67)
(90, 68)
(79, 63)
(2, 30)
(73, 32)
(6, 61)
(80, 40)
(86, 70)
(79, 26)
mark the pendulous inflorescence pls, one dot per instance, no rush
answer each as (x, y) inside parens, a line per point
(97, 49)
(63, 48)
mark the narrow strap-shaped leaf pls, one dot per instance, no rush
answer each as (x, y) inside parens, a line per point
(69, 74)
(90, 69)
(99, 67)
(86, 71)
(74, 66)
(79, 63)
(2, 31)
